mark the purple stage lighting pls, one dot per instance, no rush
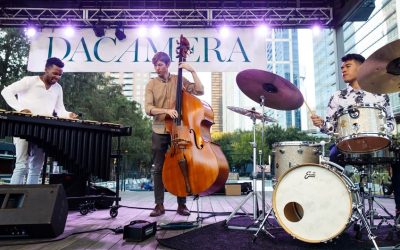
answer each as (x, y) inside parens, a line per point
(142, 31)
(316, 29)
(30, 31)
(224, 31)
(69, 31)
(262, 29)
(155, 31)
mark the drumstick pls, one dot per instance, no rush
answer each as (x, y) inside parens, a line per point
(308, 107)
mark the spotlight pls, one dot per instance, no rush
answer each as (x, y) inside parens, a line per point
(120, 34)
(224, 31)
(69, 31)
(30, 31)
(155, 31)
(316, 29)
(262, 29)
(99, 30)
(142, 31)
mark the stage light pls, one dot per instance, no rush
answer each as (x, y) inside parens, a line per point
(30, 31)
(142, 31)
(316, 29)
(120, 34)
(155, 31)
(224, 31)
(262, 29)
(69, 31)
(99, 30)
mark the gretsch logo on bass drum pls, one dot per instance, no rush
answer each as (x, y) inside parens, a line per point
(309, 174)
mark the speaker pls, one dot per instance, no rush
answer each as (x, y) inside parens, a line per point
(32, 211)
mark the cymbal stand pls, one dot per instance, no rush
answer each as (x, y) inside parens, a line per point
(264, 216)
(253, 193)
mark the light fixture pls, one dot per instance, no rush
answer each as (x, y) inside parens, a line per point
(69, 30)
(142, 31)
(155, 30)
(30, 31)
(224, 31)
(119, 33)
(99, 30)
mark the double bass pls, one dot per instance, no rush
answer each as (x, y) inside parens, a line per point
(193, 165)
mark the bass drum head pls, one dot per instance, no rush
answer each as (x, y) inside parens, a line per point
(312, 203)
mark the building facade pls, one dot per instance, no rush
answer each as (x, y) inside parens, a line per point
(363, 38)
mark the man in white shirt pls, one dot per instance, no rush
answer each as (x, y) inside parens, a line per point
(36, 95)
(354, 95)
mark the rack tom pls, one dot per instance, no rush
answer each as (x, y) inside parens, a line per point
(362, 129)
(289, 154)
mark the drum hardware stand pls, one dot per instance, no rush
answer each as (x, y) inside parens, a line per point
(358, 206)
(372, 213)
(252, 193)
(256, 216)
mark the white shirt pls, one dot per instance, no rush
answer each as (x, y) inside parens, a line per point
(33, 95)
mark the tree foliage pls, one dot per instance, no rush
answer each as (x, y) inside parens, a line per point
(91, 94)
(13, 55)
(238, 146)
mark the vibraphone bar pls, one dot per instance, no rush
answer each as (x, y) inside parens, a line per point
(80, 146)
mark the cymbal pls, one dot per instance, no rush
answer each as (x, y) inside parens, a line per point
(278, 92)
(252, 113)
(380, 73)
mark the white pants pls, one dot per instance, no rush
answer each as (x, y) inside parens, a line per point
(29, 162)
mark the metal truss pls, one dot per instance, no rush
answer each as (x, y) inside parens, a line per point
(182, 18)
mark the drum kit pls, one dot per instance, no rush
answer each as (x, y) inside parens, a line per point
(313, 199)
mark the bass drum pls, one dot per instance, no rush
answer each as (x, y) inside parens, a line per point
(314, 203)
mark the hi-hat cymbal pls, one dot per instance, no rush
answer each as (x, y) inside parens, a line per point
(252, 113)
(278, 92)
(380, 73)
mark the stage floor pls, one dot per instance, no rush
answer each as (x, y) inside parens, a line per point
(140, 204)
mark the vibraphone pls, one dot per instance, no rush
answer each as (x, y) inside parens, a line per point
(81, 147)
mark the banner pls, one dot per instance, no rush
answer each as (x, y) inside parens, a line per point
(243, 48)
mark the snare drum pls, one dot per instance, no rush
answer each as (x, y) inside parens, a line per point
(362, 129)
(314, 203)
(289, 154)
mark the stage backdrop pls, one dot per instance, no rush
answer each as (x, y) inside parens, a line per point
(84, 52)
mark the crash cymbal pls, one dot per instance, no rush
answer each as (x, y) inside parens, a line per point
(278, 92)
(380, 73)
(252, 113)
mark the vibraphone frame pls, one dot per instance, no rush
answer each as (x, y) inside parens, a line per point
(82, 147)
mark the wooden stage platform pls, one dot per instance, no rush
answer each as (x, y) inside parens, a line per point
(140, 204)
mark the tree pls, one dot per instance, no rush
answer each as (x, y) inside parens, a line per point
(13, 57)
(93, 95)
(88, 93)
(238, 147)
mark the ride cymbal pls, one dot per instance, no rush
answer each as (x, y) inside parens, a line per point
(278, 92)
(380, 73)
(252, 113)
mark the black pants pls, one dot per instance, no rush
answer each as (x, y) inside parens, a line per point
(160, 144)
(333, 157)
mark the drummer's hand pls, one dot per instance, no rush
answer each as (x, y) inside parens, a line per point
(26, 111)
(172, 113)
(186, 66)
(317, 121)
